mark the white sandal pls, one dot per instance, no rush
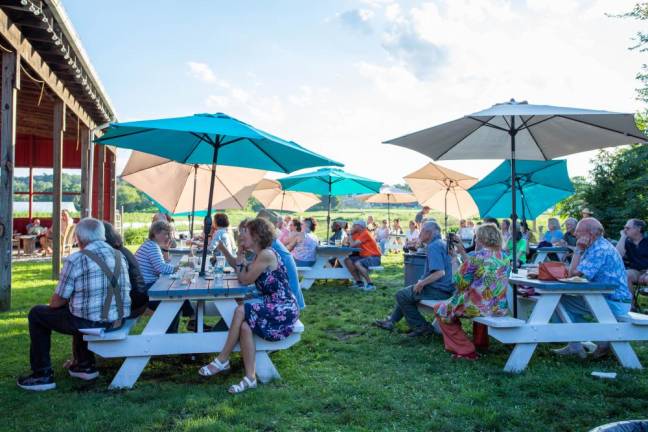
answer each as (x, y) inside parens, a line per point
(216, 364)
(245, 384)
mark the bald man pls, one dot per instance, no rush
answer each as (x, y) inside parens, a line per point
(597, 260)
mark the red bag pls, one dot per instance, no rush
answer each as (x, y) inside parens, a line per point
(551, 271)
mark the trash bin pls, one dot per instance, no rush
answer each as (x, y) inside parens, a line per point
(414, 264)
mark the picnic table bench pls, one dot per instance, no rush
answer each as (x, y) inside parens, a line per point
(322, 268)
(222, 296)
(526, 334)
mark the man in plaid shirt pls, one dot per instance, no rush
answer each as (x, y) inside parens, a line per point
(93, 292)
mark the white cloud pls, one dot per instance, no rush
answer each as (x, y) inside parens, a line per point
(218, 102)
(204, 73)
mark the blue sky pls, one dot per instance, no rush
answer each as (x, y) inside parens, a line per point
(340, 77)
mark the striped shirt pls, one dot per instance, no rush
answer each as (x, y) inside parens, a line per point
(85, 286)
(151, 262)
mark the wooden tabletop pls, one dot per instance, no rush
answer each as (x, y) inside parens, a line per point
(228, 287)
(549, 286)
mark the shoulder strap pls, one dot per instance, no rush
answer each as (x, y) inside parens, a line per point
(113, 282)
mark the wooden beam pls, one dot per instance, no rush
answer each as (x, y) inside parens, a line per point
(86, 195)
(10, 84)
(57, 191)
(101, 185)
(31, 57)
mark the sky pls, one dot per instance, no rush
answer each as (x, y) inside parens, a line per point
(340, 76)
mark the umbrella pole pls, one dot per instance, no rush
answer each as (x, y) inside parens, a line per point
(445, 209)
(208, 222)
(388, 215)
(328, 215)
(193, 203)
(512, 132)
(283, 196)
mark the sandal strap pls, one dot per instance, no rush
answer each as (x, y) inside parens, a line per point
(246, 383)
(216, 364)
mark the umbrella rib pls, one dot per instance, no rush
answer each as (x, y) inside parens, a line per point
(537, 144)
(232, 141)
(466, 136)
(486, 123)
(122, 135)
(280, 165)
(230, 193)
(643, 139)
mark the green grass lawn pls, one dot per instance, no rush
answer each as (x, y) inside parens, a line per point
(343, 375)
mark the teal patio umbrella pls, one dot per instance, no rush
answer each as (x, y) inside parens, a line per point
(330, 182)
(211, 139)
(538, 185)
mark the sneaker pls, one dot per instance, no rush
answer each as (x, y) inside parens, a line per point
(602, 350)
(571, 350)
(369, 287)
(424, 330)
(84, 373)
(359, 284)
(37, 381)
(385, 324)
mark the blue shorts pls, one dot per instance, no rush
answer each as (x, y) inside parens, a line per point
(366, 262)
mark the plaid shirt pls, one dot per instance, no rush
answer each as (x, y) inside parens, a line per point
(85, 286)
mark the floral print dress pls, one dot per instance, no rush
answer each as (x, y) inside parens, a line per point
(482, 282)
(274, 318)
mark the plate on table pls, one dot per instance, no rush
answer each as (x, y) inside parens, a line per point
(574, 279)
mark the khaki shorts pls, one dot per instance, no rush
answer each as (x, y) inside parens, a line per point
(640, 276)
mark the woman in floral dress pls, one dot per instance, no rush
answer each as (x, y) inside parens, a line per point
(271, 319)
(482, 283)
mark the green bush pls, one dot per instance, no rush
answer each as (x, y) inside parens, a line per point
(135, 236)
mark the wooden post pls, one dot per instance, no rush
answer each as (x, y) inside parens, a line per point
(10, 86)
(31, 189)
(113, 187)
(101, 195)
(57, 192)
(86, 198)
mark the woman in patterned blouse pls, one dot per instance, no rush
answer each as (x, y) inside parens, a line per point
(482, 283)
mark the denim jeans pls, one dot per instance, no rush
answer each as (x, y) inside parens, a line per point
(42, 320)
(407, 304)
(577, 308)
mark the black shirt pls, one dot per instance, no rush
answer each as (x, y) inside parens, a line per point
(570, 239)
(636, 256)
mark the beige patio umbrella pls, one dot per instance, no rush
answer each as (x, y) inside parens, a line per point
(270, 194)
(443, 189)
(184, 189)
(389, 196)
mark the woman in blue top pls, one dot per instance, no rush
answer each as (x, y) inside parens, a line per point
(553, 234)
(273, 318)
(221, 221)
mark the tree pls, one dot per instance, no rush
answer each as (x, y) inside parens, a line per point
(640, 12)
(571, 207)
(131, 199)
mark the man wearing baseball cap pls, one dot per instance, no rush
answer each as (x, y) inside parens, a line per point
(369, 256)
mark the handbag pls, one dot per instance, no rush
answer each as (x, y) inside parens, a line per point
(551, 271)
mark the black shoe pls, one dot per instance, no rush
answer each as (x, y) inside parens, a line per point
(386, 324)
(192, 325)
(421, 331)
(359, 284)
(87, 373)
(37, 381)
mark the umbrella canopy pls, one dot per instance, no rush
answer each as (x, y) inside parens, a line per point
(330, 182)
(514, 130)
(182, 189)
(193, 139)
(270, 194)
(539, 185)
(389, 196)
(212, 138)
(430, 184)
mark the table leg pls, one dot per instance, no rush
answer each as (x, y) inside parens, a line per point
(132, 367)
(541, 314)
(623, 350)
(200, 315)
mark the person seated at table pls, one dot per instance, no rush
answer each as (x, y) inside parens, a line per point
(286, 257)
(221, 222)
(598, 261)
(421, 215)
(304, 245)
(272, 319)
(553, 235)
(371, 225)
(152, 257)
(85, 297)
(527, 234)
(381, 235)
(138, 293)
(35, 228)
(46, 240)
(436, 284)
(284, 231)
(521, 249)
(633, 248)
(369, 255)
(338, 234)
(486, 220)
(396, 227)
(569, 238)
(412, 236)
(295, 228)
(465, 233)
(506, 231)
(168, 219)
(482, 283)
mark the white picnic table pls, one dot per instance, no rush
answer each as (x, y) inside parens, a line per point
(221, 297)
(527, 334)
(322, 269)
(542, 254)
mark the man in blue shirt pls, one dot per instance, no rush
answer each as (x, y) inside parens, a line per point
(437, 284)
(598, 261)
